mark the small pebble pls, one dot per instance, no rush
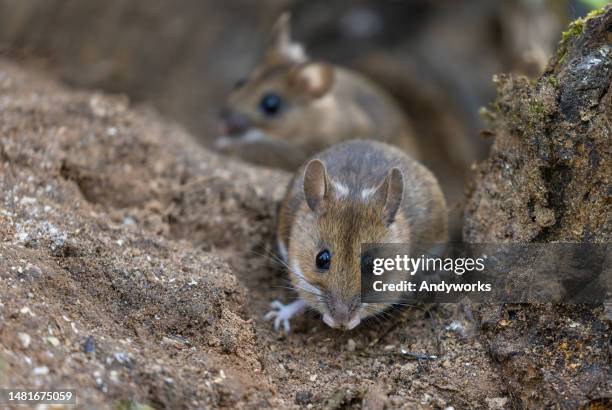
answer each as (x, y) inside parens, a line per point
(26, 310)
(89, 346)
(41, 371)
(313, 377)
(350, 345)
(25, 339)
(114, 376)
(123, 359)
(53, 341)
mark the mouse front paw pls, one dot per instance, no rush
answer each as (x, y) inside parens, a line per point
(282, 313)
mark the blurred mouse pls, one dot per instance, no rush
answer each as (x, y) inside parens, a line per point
(290, 107)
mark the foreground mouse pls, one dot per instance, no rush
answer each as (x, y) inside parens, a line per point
(291, 107)
(353, 193)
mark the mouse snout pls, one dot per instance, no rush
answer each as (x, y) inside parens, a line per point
(232, 123)
(341, 314)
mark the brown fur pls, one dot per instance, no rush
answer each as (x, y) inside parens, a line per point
(341, 220)
(323, 105)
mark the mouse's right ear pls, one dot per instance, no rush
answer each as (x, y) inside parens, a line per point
(281, 46)
(389, 195)
(313, 79)
(316, 184)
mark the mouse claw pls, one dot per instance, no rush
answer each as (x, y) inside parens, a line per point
(282, 313)
(276, 304)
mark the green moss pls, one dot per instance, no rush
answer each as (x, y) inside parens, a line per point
(574, 30)
(552, 80)
(595, 12)
(536, 110)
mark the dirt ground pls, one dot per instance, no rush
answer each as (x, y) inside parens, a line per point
(136, 267)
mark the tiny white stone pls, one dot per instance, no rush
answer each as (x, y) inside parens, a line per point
(26, 310)
(25, 339)
(114, 376)
(41, 371)
(53, 341)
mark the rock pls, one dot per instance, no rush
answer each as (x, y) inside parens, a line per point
(25, 339)
(547, 179)
(53, 341)
(41, 371)
(547, 175)
(89, 346)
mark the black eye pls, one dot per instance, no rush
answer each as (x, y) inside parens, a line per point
(367, 263)
(323, 260)
(270, 104)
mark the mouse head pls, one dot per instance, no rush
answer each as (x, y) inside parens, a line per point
(327, 236)
(283, 97)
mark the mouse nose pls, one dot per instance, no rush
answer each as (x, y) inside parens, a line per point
(232, 123)
(342, 315)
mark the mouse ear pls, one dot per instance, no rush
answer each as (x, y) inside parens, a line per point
(312, 79)
(316, 184)
(281, 46)
(389, 195)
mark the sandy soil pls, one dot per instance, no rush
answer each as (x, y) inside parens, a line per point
(136, 268)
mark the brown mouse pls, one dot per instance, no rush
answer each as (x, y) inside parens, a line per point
(353, 193)
(291, 107)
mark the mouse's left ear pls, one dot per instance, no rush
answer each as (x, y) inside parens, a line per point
(389, 194)
(313, 79)
(281, 45)
(316, 184)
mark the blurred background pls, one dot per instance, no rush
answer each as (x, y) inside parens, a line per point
(437, 58)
